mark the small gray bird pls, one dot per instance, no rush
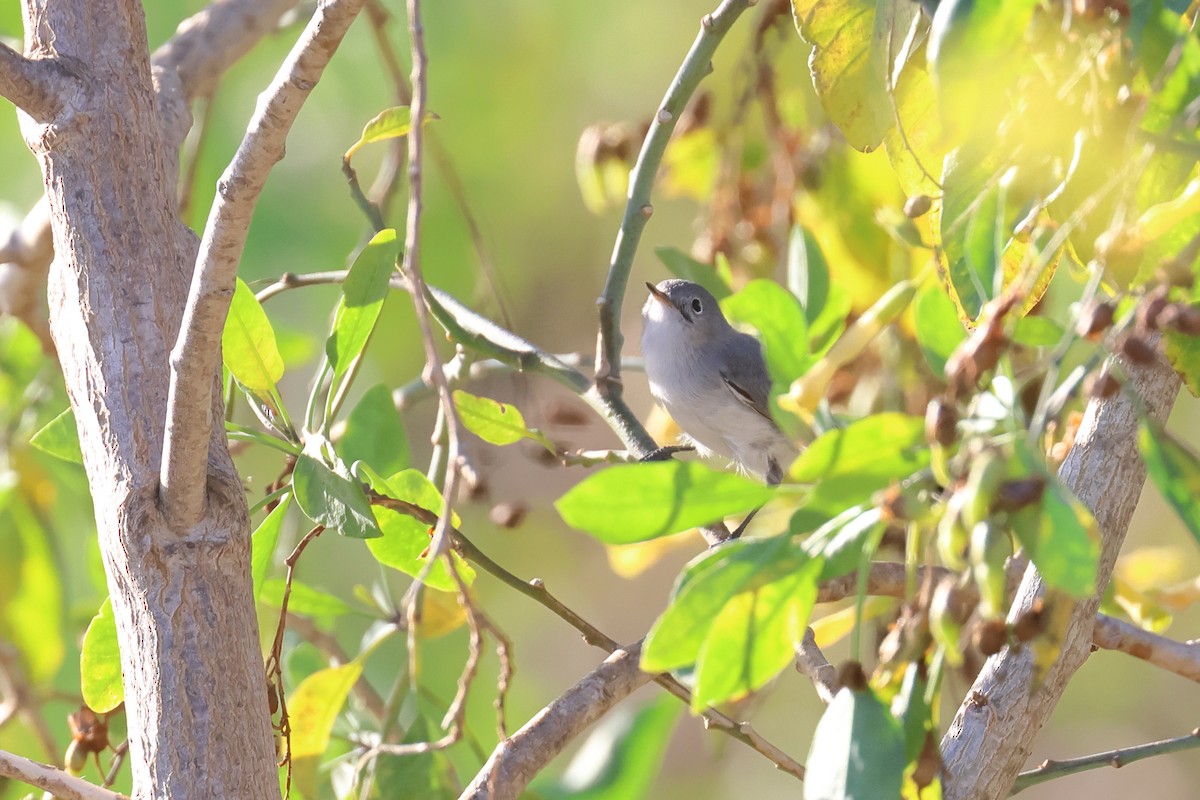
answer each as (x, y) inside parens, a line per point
(712, 379)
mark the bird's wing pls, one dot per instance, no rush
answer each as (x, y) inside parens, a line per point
(744, 372)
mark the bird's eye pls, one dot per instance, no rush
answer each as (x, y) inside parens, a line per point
(696, 306)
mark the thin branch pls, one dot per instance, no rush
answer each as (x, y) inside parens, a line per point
(812, 662)
(536, 590)
(195, 357)
(208, 42)
(1049, 769)
(51, 779)
(1182, 658)
(20, 701)
(37, 86)
(638, 209)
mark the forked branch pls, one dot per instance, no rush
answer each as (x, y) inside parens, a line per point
(195, 357)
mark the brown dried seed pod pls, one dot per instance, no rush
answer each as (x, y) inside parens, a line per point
(941, 422)
(1031, 622)
(851, 675)
(1186, 319)
(1136, 349)
(917, 206)
(1150, 308)
(991, 636)
(508, 515)
(1095, 319)
(1018, 493)
(1101, 385)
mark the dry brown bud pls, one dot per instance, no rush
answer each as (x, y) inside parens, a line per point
(1031, 622)
(941, 422)
(1150, 309)
(1102, 385)
(1095, 320)
(508, 515)
(991, 636)
(1017, 494)
(1136, 350)
(852, 676)
(917, 206)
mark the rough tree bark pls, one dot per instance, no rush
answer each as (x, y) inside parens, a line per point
(992, 734)
(106, 129)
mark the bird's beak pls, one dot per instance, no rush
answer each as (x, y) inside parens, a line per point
(659, 295)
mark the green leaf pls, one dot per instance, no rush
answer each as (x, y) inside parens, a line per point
(1037, 332)
(417, 775)
(263, 542)
(362, 298)
(842, 540)
(681, 265)
(375, 434)
(754, 637)
(405, 540)
(857, 751)
(1175, 470)
(1183, 354)
(314, 706)
(1063, 539)
(391, 123)
(495, 422)
(635, 502)
(332, 498)
(100, 663)
(248, 343)
(705, 586)
(304, 600)
(60, 438)
(939, 330)
(967, 176)
(622, 758)
(34, 612)
(807, 273)
(882, 446)
(849, 62)
(780, 320)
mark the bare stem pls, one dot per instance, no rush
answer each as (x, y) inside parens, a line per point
(53, 780)
(194, 359)
(1049, 769)
(638, 209)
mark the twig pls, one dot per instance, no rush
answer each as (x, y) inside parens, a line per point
(274, 665)
(812, 662)
(195, 357)
(37, 86)
(536, 590)
(114, 766)
(695, 66)
(20, 701)
(1050, 769)
(52, 779)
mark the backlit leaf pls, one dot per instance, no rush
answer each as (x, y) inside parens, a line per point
(939, 329)
(60, 438)
(780, 321)
(358, 308)
(248, 343)
(684, 266)
(633, 502)
(314, 705)
(264, 540)
(1175, 470)
(304, 600)
(391, 123)
(375, 433)
(495, 422)
(100, 663)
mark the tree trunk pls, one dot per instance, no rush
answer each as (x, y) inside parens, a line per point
(194, 683)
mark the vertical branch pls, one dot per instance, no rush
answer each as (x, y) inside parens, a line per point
(411, 268)
(195, 359)
(988, 741)
(638, 209)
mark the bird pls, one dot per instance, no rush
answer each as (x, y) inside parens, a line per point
(712, 380)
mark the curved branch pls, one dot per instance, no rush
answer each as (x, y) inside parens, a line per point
(1182, 658)
(695, 66)
(51, 779)
(988, 742)
(1049, 770)
(195, 357)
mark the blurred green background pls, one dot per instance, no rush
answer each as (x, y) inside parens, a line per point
(515, 82)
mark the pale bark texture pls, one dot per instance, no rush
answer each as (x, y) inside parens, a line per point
(195, 689)
(992, 735)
